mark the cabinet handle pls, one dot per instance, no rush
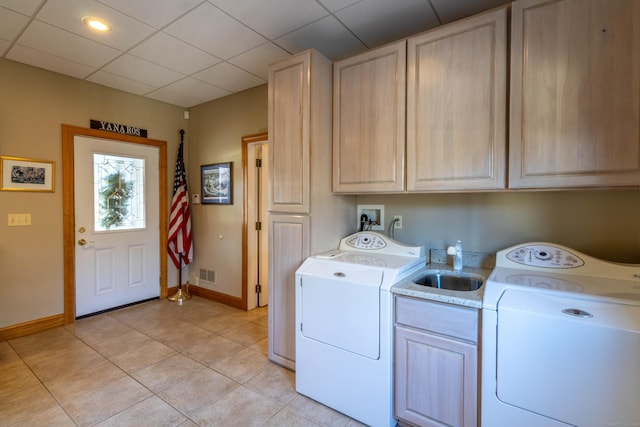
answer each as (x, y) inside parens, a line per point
(576, 312)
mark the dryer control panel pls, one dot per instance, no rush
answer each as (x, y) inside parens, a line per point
(366, 241)
(546, 256)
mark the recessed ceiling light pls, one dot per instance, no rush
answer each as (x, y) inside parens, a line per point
(96, 23)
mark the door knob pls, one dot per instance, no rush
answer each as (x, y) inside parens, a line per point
(82, 242)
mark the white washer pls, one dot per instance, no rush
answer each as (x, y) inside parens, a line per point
(344, 318)
(560, 340)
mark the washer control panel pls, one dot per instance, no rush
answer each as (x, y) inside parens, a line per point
(376, 243)
(366, 241)
(545, 256)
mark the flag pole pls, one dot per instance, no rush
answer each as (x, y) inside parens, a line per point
(181, 294)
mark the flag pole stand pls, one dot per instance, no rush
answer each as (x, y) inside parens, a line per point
(183, 293)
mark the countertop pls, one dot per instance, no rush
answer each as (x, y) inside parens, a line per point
(480, 266)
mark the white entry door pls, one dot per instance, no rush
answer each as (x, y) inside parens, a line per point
(117, 223)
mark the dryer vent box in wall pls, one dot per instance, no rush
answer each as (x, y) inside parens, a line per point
(370, 218)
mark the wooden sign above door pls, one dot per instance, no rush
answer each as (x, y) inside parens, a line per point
(118, 128)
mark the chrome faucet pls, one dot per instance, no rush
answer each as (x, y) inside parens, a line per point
(456, 252)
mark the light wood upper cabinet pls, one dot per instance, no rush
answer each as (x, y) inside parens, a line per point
(575, 93)
(289, 111)
(456, 105)
(369, 121)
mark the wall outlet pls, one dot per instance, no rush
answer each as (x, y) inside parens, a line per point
(397, 222)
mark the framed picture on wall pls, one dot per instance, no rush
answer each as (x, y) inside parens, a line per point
(217, 183)
(19, 174)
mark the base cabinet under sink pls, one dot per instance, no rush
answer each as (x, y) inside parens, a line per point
(436, 363)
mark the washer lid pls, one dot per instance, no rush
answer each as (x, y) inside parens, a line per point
(344, 273)
(545, 282)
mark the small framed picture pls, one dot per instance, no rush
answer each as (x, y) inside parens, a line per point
(18, 174)
(217, 183)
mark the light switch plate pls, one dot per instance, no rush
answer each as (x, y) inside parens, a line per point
(17, 220)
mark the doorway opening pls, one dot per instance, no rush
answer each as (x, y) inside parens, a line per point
(255, 233)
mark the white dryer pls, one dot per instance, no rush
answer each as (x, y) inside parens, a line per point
(344, 319)
(560, 340)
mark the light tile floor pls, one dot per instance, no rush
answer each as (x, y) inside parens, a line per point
(154, 364)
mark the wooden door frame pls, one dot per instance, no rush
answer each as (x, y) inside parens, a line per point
(246, 140)
(69, 133)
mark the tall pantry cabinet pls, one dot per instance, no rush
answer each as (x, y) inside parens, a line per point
(304, 216)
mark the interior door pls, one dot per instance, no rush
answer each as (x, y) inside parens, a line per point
(257, 236)
(117, 191)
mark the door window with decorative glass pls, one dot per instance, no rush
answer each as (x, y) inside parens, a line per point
(119, 193)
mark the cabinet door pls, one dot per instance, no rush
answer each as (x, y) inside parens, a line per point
(456, 105)
(289, 111)
(369, 121)
(288, 248)
(575, 93)
(435, 380)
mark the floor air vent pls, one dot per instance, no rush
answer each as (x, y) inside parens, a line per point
(208, 275)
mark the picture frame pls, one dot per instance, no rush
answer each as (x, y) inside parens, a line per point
(217, 183)
(21, 174)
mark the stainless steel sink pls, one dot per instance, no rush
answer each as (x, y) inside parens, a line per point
(450, 280)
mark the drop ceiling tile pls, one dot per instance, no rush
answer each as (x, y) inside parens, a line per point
(57, 42)
(40, 59)
(174, 54)
(25, 7)
(335, 5)
(153, 12)
(134, 68)
(327, 36)
(188, 92)
(171, 39)
(450, 11)
(273, 18)
(258, 59)
(11, 24)
(4, 46)
(213, 31)
(118, 82)
(229, 77)
(68, 14)
(377, 22)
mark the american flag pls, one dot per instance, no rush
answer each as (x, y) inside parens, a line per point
(180, 241)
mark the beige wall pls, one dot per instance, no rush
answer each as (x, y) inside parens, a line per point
(604, 224)
(33, 105)
(217, 129)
